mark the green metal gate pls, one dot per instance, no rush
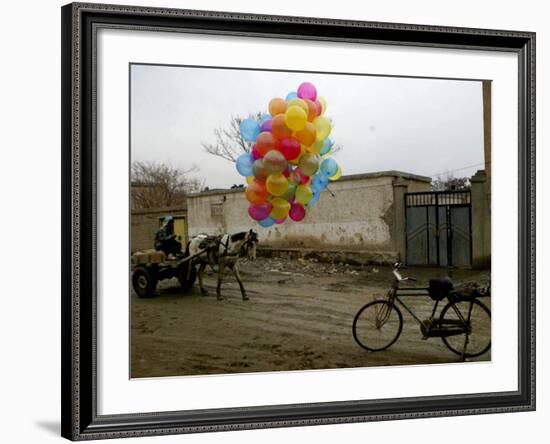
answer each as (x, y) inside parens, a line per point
(439, 228)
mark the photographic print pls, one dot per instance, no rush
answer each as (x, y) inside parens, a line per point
(285, 221)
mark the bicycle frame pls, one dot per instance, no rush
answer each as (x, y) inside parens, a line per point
(397, 292)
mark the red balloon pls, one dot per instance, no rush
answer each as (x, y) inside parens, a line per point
(255, 153)
(290, 148)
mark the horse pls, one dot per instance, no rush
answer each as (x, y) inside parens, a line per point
(223, 251)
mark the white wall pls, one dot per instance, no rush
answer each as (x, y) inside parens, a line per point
(30, 171)
(356, 216)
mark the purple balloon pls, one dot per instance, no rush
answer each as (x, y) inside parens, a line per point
(260, 212)
(307, 91)
(266, 126)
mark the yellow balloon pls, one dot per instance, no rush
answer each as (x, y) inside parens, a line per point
(280, 208)
(295, 118)
(298, 102)
(249, 179)
(316, 147)
(323, 103)
(276, 184)
(337, 175)
(303, 194)
(323, 127)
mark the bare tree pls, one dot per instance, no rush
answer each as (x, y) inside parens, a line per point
(157, 185)
(447, 181)
(229, 144)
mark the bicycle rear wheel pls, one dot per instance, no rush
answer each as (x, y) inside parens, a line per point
(475, 317)
(377, 325)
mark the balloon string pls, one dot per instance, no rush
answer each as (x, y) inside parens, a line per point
(331, 193)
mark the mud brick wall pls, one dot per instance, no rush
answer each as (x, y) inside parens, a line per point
(145, 223)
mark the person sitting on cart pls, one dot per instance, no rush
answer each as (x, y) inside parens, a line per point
(165, 239)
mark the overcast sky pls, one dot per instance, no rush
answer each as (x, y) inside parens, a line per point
(421, 126)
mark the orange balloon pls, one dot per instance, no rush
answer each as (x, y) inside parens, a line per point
(265, 142)
(311, 110)
(277, 106)
(308, 135)
(256, 192)
(279, 128)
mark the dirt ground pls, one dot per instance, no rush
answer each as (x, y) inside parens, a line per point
(299, 317)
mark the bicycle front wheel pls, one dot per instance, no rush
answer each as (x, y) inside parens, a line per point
(377, 325)
(475, 318)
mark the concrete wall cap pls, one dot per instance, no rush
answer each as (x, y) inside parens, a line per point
(374, 175)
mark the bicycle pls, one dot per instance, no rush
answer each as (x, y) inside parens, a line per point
(378, 324)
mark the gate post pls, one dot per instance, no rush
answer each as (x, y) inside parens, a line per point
(481, 220)
(400, 188)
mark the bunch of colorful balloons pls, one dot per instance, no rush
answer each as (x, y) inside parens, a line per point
(290, 161)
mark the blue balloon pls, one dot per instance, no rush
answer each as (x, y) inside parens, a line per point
(249, 129)
(314, 199)
(244, 165)
(329, 167)
(291, 95)
(319, 182)
(327, 145)
(266, 223)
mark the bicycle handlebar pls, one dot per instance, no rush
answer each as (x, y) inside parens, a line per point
(398, 276)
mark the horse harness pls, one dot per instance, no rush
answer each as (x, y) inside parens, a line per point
(212, 245)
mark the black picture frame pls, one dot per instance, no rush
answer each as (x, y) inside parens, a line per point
(79, 396)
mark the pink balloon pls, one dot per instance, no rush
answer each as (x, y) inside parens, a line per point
(260, 212)
(290, 148)
(307, 91)
(297, 212)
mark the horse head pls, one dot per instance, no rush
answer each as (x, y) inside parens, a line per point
(249, 245)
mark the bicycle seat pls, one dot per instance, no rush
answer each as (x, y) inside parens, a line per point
(439, 288)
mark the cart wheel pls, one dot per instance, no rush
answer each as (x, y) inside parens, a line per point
(144, 282)
(187, 279)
